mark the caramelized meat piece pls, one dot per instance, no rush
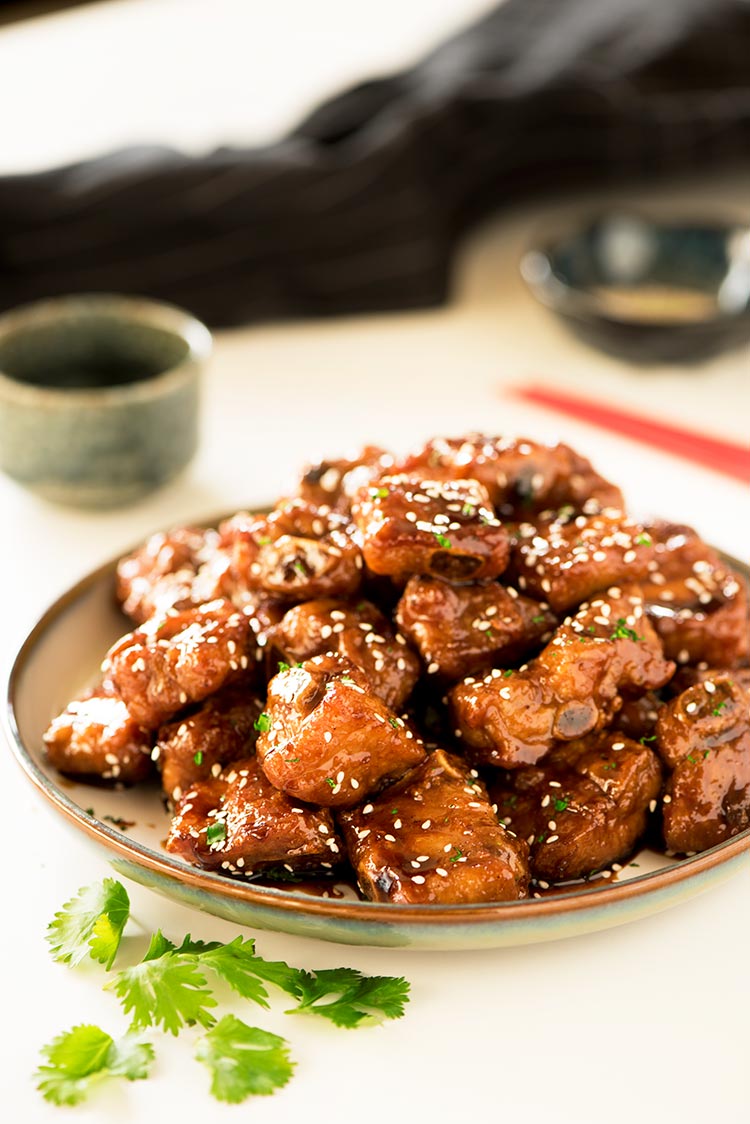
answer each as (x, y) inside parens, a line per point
(296, 553)
(686, 677)
(568, 560)
(585, 815)
(704, 735)
(574, 687)
(359, 633)
(332, 483)
(196, 747)
(159, 576)
(96, 736)
(328, 739)
(697, 605)
(434, 837)
(447, 529)
(521, 477)
(637, 717)
(460, 630)
(239, 823)
(178, 660)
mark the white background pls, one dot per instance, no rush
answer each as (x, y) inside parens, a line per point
(636, 1023)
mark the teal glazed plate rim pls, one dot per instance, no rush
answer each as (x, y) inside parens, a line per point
(40, 682)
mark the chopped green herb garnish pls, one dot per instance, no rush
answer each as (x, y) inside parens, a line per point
(348, 680)
(469, 509)
(394, 722)
(262, 723)
(540, 838)
(283, 666)
(538, 619)
(378, 493)
(611, 765)
(455, 857)
(561, 803)
(299, 568)
(706, 753)
(264, 541)
(643, 539)
(330, 781)
(622, 632)
(507, 674)
(198, 757)
(647, 738)
(442, 541)
(216, 833)
(691, 759)
(292, 760)
(718, 709)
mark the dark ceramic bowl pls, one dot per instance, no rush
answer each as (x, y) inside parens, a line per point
(99, 396)
(647, 290)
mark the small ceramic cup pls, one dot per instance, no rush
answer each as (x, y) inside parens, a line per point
(99, 396)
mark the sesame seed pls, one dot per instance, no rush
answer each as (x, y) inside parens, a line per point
(426, 824)
(709, 686)
(396, 824)
(552, 838)
(419, 878)
(367, 809)
(432, 668)
(327, 736)
(354, 782)
(323, 829)
(667, 799)
(618, 745)
(390, 838)
(652, 806)
(545, 800)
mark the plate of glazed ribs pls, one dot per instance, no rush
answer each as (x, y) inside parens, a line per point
(460, 698)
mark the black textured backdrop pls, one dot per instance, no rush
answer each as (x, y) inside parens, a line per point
(360, 207)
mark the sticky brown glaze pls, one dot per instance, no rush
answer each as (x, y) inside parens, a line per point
(447, 529)
(462, 630)
(181, 659)
(296, 553)
(160, 575)
(328, 738)
(637, 717)
(97, 737)
(360, 633)
(704, 737)
(522, 477)
(196, 747)
(239, 823)
(332, 483)
(583, 812)
(698, 606)
(686, 677)
(569, 559)
(434, 838)
(576, 686)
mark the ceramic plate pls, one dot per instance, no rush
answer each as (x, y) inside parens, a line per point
(62, 654)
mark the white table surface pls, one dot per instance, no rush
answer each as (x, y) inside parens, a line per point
(638, 1022)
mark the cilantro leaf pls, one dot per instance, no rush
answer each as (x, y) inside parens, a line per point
(167, 989)
(237, 964)
(82, 1057)
(348, 998)
(243, 1060)
(91, 923)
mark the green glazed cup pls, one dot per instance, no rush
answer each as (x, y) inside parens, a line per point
(99, 396)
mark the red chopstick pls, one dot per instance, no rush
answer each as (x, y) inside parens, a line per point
(712, 452)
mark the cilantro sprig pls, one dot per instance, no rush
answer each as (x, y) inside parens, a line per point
(90, 924)
(169, 990)
(347, 998)
(82, 1057)
(244, 1060)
